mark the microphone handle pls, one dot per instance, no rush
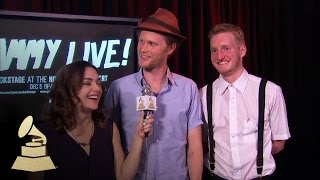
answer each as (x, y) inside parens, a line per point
(145, 113)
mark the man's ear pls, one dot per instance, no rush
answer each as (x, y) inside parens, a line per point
(171, 48)
(243, 50)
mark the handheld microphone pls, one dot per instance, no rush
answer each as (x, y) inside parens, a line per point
(146, 102)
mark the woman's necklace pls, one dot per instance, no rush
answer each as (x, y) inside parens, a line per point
(84, 144)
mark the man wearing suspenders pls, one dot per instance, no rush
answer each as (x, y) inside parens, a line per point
(241, 146)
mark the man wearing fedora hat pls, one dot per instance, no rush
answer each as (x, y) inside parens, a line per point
(174, 149)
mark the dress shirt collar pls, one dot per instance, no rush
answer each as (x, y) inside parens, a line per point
(240, 84)
(169, 79)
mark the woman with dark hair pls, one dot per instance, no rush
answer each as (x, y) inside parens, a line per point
(82, 141)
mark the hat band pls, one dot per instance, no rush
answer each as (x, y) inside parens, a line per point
(161, 23)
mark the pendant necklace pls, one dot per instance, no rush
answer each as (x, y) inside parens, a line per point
(84, 144)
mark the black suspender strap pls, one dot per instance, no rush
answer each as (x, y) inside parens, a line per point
(262, 86)
(210, 127)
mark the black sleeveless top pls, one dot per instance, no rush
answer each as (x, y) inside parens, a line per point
(71, 160)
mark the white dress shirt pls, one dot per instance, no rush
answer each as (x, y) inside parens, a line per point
(235, 122)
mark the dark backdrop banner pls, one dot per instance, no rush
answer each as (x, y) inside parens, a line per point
(282, 39)
(33, 46)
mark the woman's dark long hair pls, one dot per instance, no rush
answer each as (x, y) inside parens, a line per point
(61, 108)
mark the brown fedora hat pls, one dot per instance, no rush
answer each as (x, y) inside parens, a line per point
(164, 22)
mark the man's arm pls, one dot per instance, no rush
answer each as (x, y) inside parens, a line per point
(195, 154)
(277, 146)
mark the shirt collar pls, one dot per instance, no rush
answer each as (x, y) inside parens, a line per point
(240, 84)
(169, 79)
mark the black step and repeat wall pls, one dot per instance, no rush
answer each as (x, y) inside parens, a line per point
(33, 46)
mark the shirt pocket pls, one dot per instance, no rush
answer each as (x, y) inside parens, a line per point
(250, 129)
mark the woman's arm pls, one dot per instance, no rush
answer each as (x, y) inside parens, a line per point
(126, 168)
